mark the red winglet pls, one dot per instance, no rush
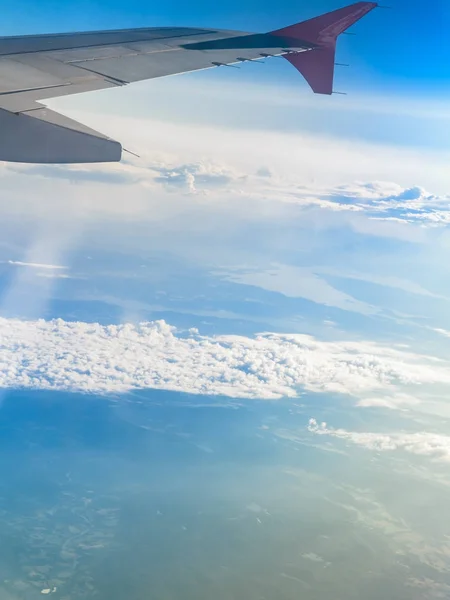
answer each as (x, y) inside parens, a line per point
(317, 65)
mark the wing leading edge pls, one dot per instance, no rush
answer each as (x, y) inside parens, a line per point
(33, 68)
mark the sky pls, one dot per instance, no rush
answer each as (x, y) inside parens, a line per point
(397, 81)
(275, 240)
(243, 332)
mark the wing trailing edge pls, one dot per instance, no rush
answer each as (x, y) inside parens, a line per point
(46, 137)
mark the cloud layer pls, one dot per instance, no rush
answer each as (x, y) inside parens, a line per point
(93, 358)
(428, 444)
(229, 180)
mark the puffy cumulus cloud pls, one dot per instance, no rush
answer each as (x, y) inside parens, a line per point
(377, 190)
(433, 445)
(386, 200)
(197, 176)
(178, 178)
(377, 200)
(106, 359)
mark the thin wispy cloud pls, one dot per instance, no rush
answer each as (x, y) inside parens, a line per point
(443, 332)
(30, 265)
(53, 275)
(432, 445)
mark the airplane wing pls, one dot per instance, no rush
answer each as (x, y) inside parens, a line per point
(34, 68)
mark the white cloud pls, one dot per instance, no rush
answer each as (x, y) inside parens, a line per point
(194, 177)
(231, 182)
(291, 164)
(433, 445)
(55, 276)
(312, 556)
(443, 332)
(395, 401)
(18, 263)
(105, 359)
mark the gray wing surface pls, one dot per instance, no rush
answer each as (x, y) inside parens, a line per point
(34, 68)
